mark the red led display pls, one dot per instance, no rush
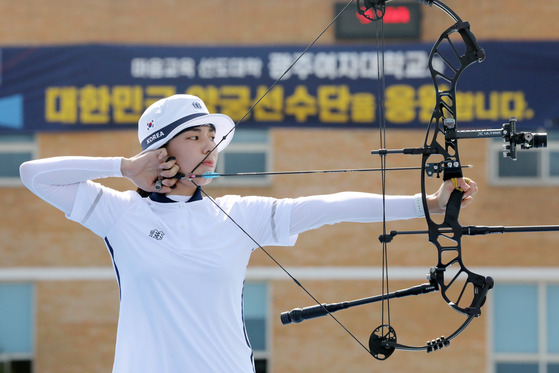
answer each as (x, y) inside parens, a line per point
(401, 21)
(394, 14)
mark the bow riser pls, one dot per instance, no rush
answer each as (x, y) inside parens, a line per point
(442, 142)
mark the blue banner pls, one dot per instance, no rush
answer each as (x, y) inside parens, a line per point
(104, 87)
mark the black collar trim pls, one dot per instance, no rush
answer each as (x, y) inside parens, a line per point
(162, 198)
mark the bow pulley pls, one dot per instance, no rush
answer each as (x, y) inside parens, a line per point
(373, 10)
(382, 342)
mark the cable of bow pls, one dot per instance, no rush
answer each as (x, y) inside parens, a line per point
(377, 11)
(440, 142)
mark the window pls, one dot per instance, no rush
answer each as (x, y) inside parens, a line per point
(248, 152)
(533, 167)
(14, 150)
(16, 328)
(525, 328)
(256, 321)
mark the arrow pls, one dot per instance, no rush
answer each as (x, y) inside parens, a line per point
(213, 175)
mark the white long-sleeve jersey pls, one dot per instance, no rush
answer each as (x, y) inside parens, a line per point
(181, 263)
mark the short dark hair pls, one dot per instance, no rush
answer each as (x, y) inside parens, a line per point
(194, 127)
(142, 193)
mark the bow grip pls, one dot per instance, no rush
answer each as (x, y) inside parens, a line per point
(453, 207)
(451, 171)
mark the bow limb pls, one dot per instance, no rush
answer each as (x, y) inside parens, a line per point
(441, 342)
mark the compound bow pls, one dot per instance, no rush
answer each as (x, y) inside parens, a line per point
(441, 141)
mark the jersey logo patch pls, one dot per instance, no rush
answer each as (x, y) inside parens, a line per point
(158, 235)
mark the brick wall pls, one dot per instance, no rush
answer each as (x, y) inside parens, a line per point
(240, 21)
(76, 320)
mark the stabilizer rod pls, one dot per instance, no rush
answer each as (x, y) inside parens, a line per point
(298, 315)
(477, 230)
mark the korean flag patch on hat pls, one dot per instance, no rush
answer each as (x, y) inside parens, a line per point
(165, 118)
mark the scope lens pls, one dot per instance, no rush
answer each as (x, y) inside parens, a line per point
(540, 140)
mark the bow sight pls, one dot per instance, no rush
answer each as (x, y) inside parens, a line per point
(511, 138)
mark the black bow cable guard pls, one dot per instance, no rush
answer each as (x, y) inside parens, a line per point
(469, 289)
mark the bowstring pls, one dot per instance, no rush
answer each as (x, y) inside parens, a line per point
(235, 222)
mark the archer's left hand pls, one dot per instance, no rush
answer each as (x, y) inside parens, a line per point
(437, 201)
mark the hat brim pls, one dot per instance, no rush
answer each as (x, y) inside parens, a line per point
(224, 130)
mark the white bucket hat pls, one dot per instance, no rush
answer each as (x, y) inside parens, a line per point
(165, 118)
